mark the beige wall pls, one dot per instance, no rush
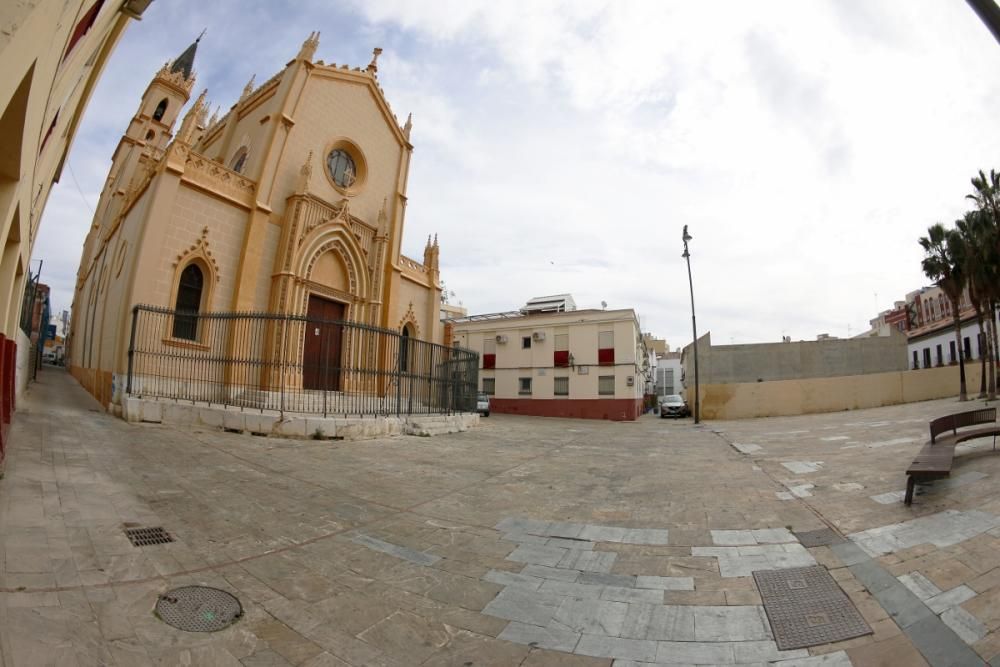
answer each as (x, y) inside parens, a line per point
(849, 392)
(38, 86)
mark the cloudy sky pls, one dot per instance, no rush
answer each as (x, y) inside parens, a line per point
(562, 146)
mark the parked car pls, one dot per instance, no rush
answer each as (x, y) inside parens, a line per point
(483, 405)
(674, 406)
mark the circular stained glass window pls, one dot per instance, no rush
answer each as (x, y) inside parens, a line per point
(342, 169)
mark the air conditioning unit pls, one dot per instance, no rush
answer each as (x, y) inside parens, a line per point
(538, 335)
(630, 380)
(501, 339)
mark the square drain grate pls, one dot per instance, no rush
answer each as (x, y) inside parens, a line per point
(819, 538)
(807, 607)
(144, 537)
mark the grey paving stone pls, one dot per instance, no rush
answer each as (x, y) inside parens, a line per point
(411, 555)
(665, 583)
(565, 543)
(620, 594)
(593, 617)
(764, 651)
(873, 576)
(950, 598)
(551, 638)
(536, 554)
(522, 525)
(940, 645)
(513, 580)
(525, 538)
(772, 535)
(920, 585)
(903, 606)
(564, 529)
(530, 607)
(836, 659)
(546, 572)
(659, 622)
(599, 646)
(731, 538)
(604, 579)
(730, 624)
(699, 653)
(649, 536)
(568, 589)
(597, 533)
(965, 625)
(849, 553)
(587, 561)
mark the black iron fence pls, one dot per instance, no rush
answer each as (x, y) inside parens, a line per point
(288, 363)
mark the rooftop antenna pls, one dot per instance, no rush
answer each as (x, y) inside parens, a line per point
(604, 305)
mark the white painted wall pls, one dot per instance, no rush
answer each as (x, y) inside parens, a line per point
(943, 338)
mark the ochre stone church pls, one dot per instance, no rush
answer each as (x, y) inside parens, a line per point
(291, 203)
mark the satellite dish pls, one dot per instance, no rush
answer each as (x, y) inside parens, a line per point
(604, 305)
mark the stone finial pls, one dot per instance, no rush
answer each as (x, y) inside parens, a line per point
(203, 116)
(191, 118)
(309, 47)
(408, 126)
(247, 89)
(383, 218)
(215, 117)
(373, 65)
(305, 174)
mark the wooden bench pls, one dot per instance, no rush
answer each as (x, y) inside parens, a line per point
(936, 457)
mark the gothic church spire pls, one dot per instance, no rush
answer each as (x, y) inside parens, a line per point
(185, 61)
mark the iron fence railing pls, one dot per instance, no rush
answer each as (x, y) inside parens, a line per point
(289, 363)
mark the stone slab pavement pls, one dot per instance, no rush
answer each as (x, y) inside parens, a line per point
(522, 542)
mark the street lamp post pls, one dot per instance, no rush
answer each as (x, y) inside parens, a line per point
(694, 327)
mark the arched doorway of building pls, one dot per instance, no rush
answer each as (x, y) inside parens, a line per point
(321, 354)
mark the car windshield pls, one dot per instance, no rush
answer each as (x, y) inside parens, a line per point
(482, 397)
(673, 399)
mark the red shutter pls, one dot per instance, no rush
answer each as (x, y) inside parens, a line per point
(606, 355)
(560, 358)
(489, 361)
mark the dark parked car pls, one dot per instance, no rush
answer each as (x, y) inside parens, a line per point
(674, 406)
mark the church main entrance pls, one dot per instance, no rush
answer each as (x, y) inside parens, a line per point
(321, 352)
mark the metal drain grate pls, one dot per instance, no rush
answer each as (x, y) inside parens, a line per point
(143, 537)
(806, 607)
(819, 538)
(198, 609)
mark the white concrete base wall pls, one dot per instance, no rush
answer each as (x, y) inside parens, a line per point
(23, 373)
(292, 426)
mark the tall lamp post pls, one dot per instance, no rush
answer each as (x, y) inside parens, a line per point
(694, 327)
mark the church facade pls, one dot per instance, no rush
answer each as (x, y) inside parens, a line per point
(292, 203)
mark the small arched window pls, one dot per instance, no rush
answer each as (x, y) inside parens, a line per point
(239, 160)
(404, 350)
(189, 292)
(161, 109)
(150, 135)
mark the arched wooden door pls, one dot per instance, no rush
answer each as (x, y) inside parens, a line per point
(324, 339)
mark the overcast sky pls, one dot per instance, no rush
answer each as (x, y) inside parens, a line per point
(562, 146)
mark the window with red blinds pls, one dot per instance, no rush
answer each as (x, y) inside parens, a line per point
(560, 358)
(489, 361)
(606, 347)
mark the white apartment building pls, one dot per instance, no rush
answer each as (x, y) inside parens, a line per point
(575, 363)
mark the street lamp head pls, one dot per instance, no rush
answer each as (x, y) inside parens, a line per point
(686, 237)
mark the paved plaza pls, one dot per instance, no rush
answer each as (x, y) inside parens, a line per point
(524, 541)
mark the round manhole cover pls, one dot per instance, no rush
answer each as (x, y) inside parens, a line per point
(198, 609)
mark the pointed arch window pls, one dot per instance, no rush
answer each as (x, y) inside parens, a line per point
(404, 349)
(83, 26)
(161, 109)
(189, 293)
(239, 160)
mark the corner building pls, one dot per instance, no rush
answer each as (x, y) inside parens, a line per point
(588, 364)
(292, 203)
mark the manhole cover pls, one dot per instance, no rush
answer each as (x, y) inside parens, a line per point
(198, 609)
(143, 537)
(818, 538)
(806, 607)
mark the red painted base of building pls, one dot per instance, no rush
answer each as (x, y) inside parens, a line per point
(614, 409)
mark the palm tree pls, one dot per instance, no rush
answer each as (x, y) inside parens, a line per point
(977, 274)
(944, 263)
(986, 194)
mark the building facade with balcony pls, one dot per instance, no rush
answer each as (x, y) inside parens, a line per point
(588, 364)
